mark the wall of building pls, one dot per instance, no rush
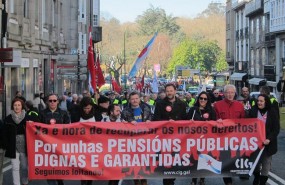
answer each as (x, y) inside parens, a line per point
(48, 35)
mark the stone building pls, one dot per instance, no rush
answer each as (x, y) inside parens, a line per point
(49, 39)
(265, 48)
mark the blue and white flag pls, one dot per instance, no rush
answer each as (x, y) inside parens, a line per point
(184, 86)
(206, 162)
(154, 83)
(91, 90)
(144, 53)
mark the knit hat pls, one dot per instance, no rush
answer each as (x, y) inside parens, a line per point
(103, 99)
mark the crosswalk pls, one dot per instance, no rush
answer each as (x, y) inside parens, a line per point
(275, 180)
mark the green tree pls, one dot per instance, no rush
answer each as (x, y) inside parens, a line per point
(155, 19)
(196, 54)
(211, 52)
(221, 64)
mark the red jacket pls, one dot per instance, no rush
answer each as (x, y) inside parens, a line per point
(226, 109)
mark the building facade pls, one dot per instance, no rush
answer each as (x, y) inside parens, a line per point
(240, 47)
(49, 39)
(264, 48)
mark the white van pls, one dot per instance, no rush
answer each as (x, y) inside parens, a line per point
(256, 93)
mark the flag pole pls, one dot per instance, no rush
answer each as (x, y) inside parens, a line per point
(125, 80)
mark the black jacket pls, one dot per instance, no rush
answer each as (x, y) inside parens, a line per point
(272, 128)
(11, 130)
(199, 115)
(166, 110)
(2, 135)
(59, 115)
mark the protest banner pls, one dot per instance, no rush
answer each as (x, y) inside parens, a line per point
(162, 149)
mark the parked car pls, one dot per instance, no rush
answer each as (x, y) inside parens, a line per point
(210, 85)
(256, 93)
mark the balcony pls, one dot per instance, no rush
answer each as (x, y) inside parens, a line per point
(253, 7)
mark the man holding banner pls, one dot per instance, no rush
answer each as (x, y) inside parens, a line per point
(170, 108)
(228, 108)
(54, 115)
(136, 113)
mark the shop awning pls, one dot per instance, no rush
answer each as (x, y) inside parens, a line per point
(257, 81)
(271, 83)
(237, 76)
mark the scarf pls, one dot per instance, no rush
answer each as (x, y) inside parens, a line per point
(18, 118)
(87, 116)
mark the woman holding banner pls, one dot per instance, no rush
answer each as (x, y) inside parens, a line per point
(15, 124)
(267, 115)
(87, 114)
(202, 111)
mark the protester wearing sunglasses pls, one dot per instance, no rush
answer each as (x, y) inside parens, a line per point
(54, 115)
(202, 111)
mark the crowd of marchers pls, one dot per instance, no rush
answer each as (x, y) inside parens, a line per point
(135, 108)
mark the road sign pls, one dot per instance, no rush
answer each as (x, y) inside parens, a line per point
(10, 55)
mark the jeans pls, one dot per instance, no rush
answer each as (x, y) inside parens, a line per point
(20, 165)
(1, 165)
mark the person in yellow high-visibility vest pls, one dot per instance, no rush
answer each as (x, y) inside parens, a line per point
(124, 99)
(189, 99)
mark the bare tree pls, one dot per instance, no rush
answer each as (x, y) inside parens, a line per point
(114, 65)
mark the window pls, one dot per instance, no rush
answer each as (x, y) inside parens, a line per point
(263, 59)
(237, 53)
(241, 18)
(237, 21)
(257, 30)
(43, 11)
(263, 23)
(252, 26)
(284, 49)
(11, 6)
(82, 43)
(26, 8)
(252, 57)
(82, 11)
(61, 16)
(36, 3)
(53, 12)
(252, 62)
(95, 20)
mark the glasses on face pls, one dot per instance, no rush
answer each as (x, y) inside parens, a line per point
(52, 101)
(201, 98)
(216, 93)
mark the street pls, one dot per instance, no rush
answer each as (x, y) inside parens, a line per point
(276, 177)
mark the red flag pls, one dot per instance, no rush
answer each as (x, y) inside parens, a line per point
(90, 61)
(116, 87)
(100, 78)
